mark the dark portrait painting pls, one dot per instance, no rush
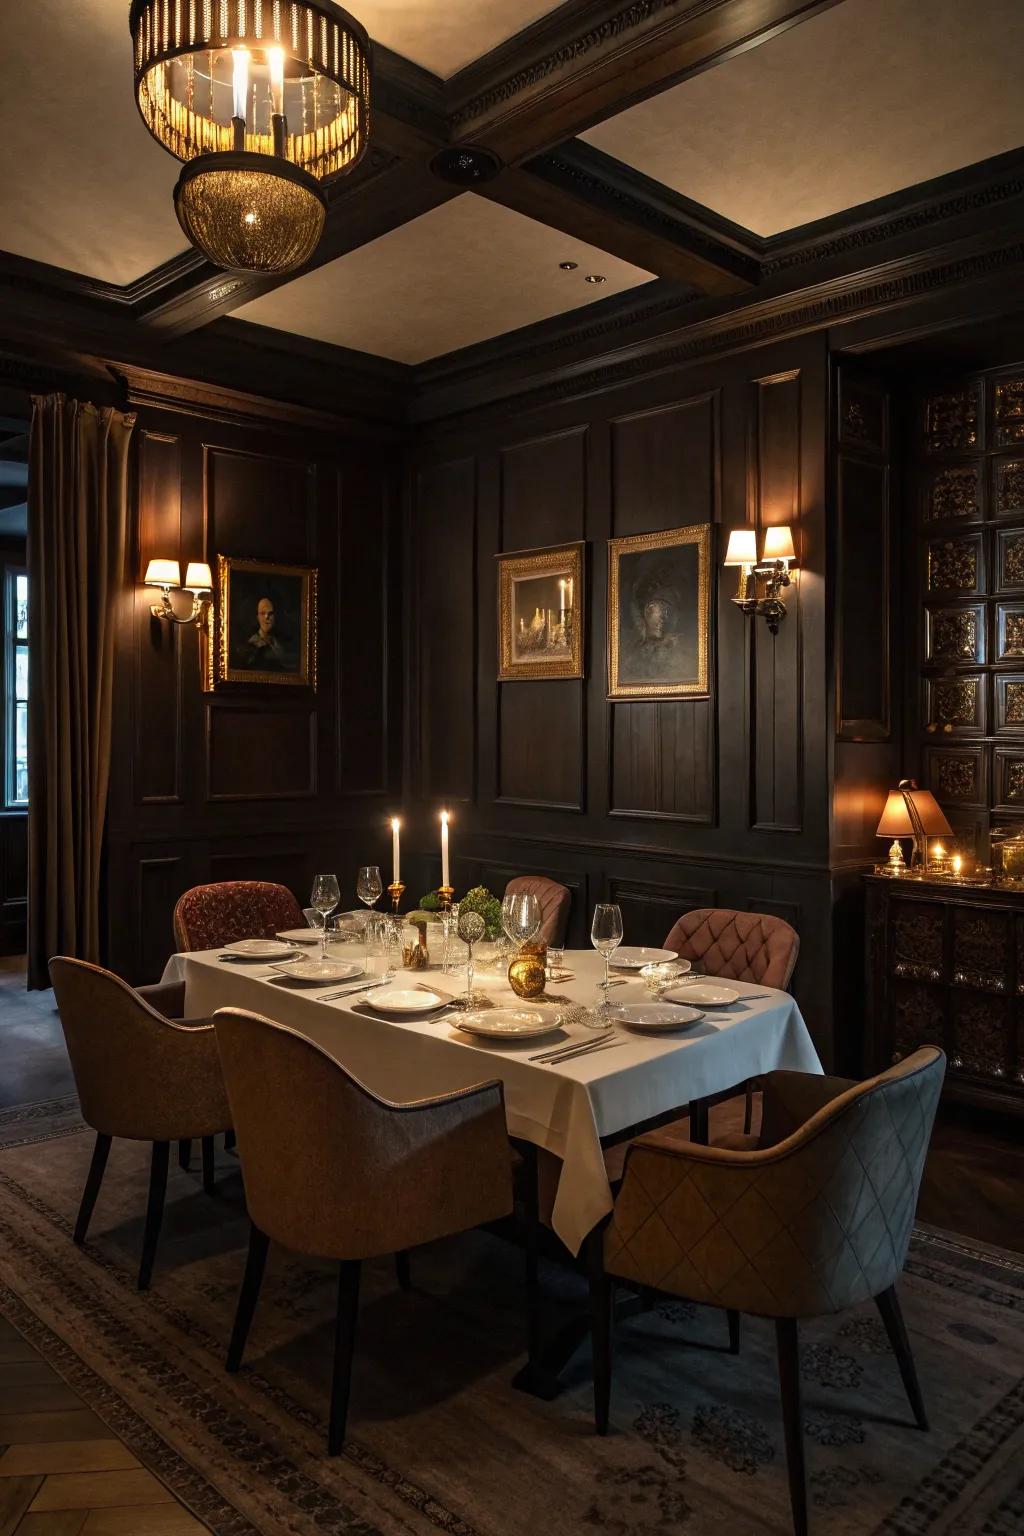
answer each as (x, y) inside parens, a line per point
(658, 614)
(267, 622)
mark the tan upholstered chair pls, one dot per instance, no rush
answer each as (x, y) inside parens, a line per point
(140, 1076)
(815, 1219)
(364, 1178)
(208, 916)
(740, 946)
(555, 901)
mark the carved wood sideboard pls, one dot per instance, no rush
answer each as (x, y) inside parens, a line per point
(945, 966)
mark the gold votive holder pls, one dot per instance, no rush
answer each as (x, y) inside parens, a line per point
(395, 890)
(527, 971)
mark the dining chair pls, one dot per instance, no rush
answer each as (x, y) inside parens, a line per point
(813, 1218)
(209, 916)
(738, 946)
(140, 1076)
(366, 1177)
(554, 900)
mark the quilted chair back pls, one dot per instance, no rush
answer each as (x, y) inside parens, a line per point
(805, 1228)
(209, 916)
(332, 1169)
(743, 946)
(137, 1074)
(554, 900)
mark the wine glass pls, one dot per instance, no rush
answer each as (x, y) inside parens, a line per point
(520, 916)
(606, 936)
(325, 897)
(471, 929)
(369, 889)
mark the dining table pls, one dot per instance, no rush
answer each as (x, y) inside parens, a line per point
(571, 1108)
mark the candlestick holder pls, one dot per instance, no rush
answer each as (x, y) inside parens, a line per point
(395, 890)
(445, 894)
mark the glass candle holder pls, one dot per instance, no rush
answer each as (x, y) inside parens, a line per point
(657, 976)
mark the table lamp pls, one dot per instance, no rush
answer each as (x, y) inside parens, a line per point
(912, 812)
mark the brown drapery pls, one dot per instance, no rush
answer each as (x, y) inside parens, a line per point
(77, 501)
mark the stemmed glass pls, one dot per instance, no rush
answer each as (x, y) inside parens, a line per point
(369, 889)
(471, 929)
(520, 916)
(325, 897)
(606, 936)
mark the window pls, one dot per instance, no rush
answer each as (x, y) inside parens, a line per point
(15, 612)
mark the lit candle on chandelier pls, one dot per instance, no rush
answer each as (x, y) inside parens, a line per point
(444, 848)
(275, 61)
(395, 824)
(240, 92)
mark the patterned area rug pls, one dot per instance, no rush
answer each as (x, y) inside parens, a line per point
(439, 1440)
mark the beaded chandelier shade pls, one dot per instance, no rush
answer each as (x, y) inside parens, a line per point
(262, 100)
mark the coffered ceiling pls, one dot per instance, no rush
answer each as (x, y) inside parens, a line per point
(667, 140)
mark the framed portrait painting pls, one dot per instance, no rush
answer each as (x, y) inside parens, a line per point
(540, 613)
(266, 623)
(659, 614)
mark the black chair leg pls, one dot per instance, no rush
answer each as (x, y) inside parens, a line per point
(208, 1180)
(531, 1214)
(100, 1153)
(403, 1273)
(889, 1306)
(789, 1383)
(699, 1130)
(734, 1332)
(344, 1341)
(154, 1210)
(185, 1153)
(248, 1296)
(748, 1109)
(602, 1297)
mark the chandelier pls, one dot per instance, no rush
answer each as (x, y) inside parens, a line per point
(262, 100)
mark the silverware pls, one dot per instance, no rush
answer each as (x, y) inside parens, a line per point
(584, 1050)
(571, 1047)
(368, 986)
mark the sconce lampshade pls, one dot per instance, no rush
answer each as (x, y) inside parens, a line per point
(778, 544)
(742, 548)
(162, 573)
(198, 577)
(896, 821)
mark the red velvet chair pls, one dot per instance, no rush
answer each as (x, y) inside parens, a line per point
(555, 901)
(210, 916)
(739, 946)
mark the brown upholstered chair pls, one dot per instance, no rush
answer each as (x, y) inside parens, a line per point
(740, 946)
(410, 1173)
(209, 916)
(555, 901)
(140, 1076)
(814, 1219)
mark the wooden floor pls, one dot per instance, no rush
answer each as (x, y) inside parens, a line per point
(62, 1471)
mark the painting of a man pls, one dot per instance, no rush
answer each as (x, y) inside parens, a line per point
(268, 614)
(263, 649)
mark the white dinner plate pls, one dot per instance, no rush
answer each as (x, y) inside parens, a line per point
(631, 957)
(259, 949)
(300, 936)
(311, 971)
(406, 1000)
(655, 1018)
(701, 994)
(509, 1023)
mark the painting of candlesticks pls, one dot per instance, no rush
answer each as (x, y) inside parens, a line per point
(540, 613)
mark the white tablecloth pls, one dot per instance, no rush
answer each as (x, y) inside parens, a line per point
(565, 1109)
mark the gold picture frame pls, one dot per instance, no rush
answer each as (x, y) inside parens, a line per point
(540, 613)
(266, 623)
(659, 614)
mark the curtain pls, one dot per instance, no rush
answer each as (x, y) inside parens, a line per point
(78, 486)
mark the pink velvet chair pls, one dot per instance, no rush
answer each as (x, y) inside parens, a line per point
(739, 946)
(555, 901)
(209, 916)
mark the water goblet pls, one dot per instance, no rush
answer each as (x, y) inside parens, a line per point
(606, 936)
(471, 929)
(521, 916)
(325, 897)
(369, 889)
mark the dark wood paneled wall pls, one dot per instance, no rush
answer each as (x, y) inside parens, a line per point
(661, 806)
(252, 782)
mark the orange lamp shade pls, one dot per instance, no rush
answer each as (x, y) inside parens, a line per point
(896, 820)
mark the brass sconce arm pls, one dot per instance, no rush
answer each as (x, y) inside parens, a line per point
(164, 608)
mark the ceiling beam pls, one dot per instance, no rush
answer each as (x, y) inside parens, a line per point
(591, 59)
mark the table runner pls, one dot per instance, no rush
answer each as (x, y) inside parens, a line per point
(565, 1109)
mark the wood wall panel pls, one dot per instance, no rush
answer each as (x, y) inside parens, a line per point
(665, 469)
(160, 647)
(650, 910)
(445, 640)
(777, 769)
(540, 735)
(260, 752)
(544, 490)
(158, 885)
(367, 633)
(662, 760)
(260, 506)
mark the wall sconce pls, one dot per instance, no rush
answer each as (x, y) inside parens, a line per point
(772, 572)
(166, 574)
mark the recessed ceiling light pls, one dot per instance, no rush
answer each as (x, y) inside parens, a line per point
(594, 277)
(568, 266)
